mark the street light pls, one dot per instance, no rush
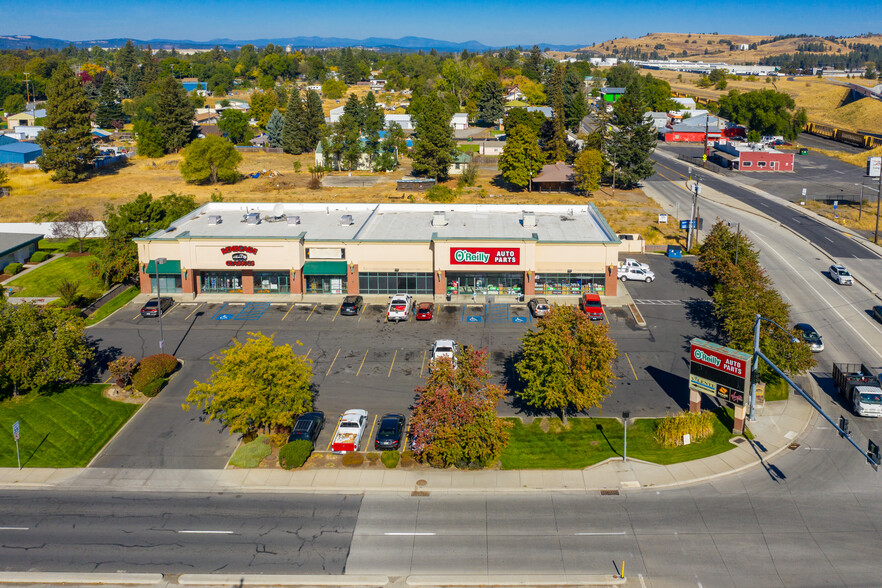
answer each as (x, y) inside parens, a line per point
(756, 356)
(158, 262)
(625, 416)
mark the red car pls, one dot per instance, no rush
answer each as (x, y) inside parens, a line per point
(590, 304)
(424, 311)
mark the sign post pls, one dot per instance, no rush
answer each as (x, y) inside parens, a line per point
(625, 416)
(15, 429)
(720, 372)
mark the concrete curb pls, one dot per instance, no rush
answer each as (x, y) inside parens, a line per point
(79, 578)
(500, 580)
(239, 580)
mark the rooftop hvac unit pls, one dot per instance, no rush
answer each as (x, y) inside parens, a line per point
(346, 220)
(214, 219)
(252, 218)
(293, 219)
(439, 219)
(529, 220)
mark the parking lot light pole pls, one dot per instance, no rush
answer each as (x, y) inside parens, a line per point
(756, 357)
(159, 261)
(625, 416)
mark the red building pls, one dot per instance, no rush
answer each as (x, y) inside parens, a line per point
(692, 130)
(751, 157)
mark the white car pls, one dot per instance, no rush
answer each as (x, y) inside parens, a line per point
(445, 348)
(841, 276)
(633, 273)
(399, 307)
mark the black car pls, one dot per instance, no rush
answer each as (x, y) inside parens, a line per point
(877, 313)
(153, 306)
(810, 336)
(390, 433)
(352, 305)
(307, 427)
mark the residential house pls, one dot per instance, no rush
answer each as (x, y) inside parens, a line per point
(544, 110)
(460, 121)
(659, 120)
(206, 130)
(555, 177)
(238, 105)
(207, 118)
(19, 153)
(335, 114)
(378, 85)
(314, 88)
(460, 163)
(364, 162)
(686, 103)
(692, 130)
(514, 93)
(404, 121)
(751, 156)
(27, 133)
(491, 147)
(25, 119)
(611, 94)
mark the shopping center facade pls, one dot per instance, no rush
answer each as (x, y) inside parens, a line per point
(297, 249)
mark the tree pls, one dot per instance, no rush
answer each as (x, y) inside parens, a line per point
(174, 114)
(40, 347)
(109, 108)
(67, 138)
(211, 159)
(521, 157)
(491, 105)
(765, 111)
(588, 168)
(372, 122)
(14, 103)
(293, 140)
(458, 77)
(262, 106)
(567, 363)
(234, 123)
(630, 146)
(76, 224)
(533, 63)
(454, 418)
(313, 121)
(148, 139)
(334, 90)
(274, 128)
(433, 149)
(257, 386)
(558, 147)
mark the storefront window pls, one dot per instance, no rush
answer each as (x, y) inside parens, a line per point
(325, 284)
(221, 282)
(394, 282)
(491, 283)
(569, 284)
(167, 284)
(272, 283)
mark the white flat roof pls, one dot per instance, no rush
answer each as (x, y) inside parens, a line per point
(395, 222)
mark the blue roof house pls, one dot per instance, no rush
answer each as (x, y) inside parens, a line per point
(19, 153)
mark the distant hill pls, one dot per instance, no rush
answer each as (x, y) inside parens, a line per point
(402, 44)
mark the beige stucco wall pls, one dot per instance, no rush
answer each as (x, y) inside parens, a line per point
(385, 257)
(579, 258)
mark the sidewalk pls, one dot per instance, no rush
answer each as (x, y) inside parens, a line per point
(777, 426)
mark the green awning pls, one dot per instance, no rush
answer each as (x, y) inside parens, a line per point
(324, 268)
(172, 266)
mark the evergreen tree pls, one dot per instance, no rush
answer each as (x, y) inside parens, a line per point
(434, 148)
(521, 158)
(274, 129)
(575, 107)
(558, 146)
(148, 139)
(372, 123)
(293, 140)
(314, 120)
(630, 146)
(174, 114)
(109, 109)
(491, 106)
(533, 63)
(67, 138)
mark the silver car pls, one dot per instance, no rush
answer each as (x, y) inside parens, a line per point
(841, 276)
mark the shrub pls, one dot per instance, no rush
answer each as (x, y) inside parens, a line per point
(12, 268)
(351, 460)
(670, 430)
(122, 370)
(252, 453)
(440, 193)
(40, 256)
(407, 458)
(153, 388)
(372, 456)
(294, 454)
(152, 368)
(390, 459)
(314, 184)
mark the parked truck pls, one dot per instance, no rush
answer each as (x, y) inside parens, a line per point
(860, 386)
(350, 431)
(633, 263)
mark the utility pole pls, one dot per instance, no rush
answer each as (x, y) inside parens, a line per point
(696, 190)
(706, 129)
(737, 243)
(861, 204)
(878, 196)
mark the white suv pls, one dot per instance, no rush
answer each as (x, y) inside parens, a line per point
(399, 307)
(841, 276)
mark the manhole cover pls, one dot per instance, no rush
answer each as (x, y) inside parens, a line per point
(738, 440)
(421, 483)
(609, 492)
(793, 446)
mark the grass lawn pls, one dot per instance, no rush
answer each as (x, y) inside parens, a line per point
(45, 280)
(56, 245)
(588, 441)
(61, 430)
(777, 390)
(114, 305)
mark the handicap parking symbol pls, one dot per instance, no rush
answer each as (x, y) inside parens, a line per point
(518, 319)
(473, 319)
(224, 317)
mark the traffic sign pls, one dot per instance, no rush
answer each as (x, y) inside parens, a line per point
(518, 319)
(685, 224)
(15, 429)
(473, 319)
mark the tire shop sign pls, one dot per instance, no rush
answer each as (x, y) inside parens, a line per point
(240, 253)
(719, 371)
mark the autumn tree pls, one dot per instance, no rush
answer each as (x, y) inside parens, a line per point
(454, 419)
(521, 158)
(262, 106)
(567, 363)
(209, 160)
(256, 386)
(588, 168)
(76, 224)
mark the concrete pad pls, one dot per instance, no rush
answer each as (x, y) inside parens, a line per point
(301, 479)
(256, 477)
(439, 480)
(396, 480)
(79, 578)
(232, 478)
(281, 580)
(277, 479)
(325, 478)
(656, 477)
(371, 479)
(530, 478)
(572, 479)
(462, 580)
(551, 479)
(508, 480)
(696, 469)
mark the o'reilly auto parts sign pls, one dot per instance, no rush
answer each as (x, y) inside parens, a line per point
(485, 256)
(719, 371)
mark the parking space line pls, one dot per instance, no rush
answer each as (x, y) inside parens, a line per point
(462, 318)
(633, 371)
(194, 311)
(332, 364)
(372, 433)
(312, 311)
(423, 363)
(362, 363)
(361, 314)
(335, 314)
(308, 351)
(110, 377)
(289, 312)
(389, 375)
(339, 419)
(404, 443)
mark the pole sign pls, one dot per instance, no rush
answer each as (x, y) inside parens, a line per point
(874, 167)
(485, 256)
(719, 371)
(15, 430)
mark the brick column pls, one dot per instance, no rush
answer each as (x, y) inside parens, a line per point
(144, 279)
(188, 282)
(352, 278)
(738, 426)
(529, 283)
(247, 282)
(694, 401)
(611, 284)
(439, 279)
(197, 282)
(296, 282)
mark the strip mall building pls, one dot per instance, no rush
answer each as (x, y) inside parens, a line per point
(296, 249)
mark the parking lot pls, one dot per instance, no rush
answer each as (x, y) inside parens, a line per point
(366, 362)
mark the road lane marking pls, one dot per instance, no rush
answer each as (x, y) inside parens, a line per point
(362, 363)
(289, 312)
(423, 363)
(592, 534)
(332, 364)
(312, 311)
(409, 534)
(197, 532)
(15, 528)
(633, 371)
(389, 375)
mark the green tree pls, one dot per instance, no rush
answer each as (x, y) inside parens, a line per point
(313, 121)
(211, 159)
(293, 140)
(454, 419)
(567, 363)
(256, 386)
(588, 168)
(521, 158)
(433, 149)
(334, 90)
(575, 106)
(174, 114)
(558, 148)
(630, 146)
(765, 111)
(148, 139)
(262, 106)
(234, 123)
(533, 63)
(14, 103)
(67, 139)
(491, 105)
(274, 128)
(372, 122)
(40, 347)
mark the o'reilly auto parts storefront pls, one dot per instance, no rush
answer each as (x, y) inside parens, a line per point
(288, 251)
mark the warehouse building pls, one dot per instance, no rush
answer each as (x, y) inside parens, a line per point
(296, 249)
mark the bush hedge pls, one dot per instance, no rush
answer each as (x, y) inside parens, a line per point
(251, 454)
(407, 458)
(351, 460)
(153, 388)
(12, 268)
(390, 459)
(154, 367)
(40, 256)
(294, 454)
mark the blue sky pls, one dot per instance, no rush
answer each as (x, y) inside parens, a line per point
(496, 22)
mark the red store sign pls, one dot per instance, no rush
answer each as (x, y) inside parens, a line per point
(240, 255)
(485, 256)
(720, 361)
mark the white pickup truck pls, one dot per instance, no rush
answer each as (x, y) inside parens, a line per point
(635, 273)
(350, 431)
(632, 263)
